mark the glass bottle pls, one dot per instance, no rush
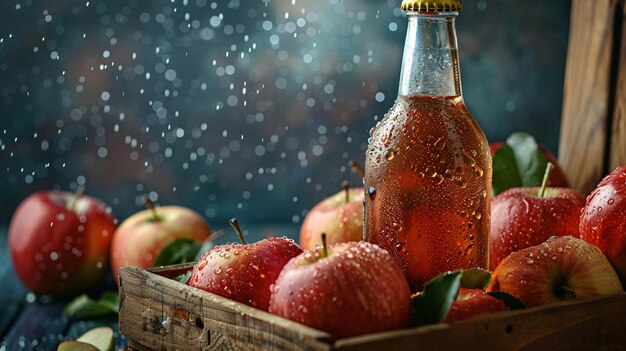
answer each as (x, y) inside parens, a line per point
(428, 165)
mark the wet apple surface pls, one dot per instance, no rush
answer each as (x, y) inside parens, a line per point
(330, 289)
(559, 269)
(59, 242)
(244, 272)
(520, 218)
(603, 221)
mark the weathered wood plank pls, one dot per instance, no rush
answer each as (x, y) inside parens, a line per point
(618, 130)
(596, 324)
(38, 327)
(586, 95)
(157, 312)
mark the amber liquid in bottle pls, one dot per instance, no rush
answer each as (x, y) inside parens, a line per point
(428, 166)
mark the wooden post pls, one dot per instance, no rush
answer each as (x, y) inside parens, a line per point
(593, 99)
(618, 135)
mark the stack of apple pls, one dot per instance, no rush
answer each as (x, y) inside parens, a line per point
(329, 287)
(547, 244)
(61, 244)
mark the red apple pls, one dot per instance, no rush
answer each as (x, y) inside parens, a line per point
(557, 178)
(472, 303)
(59, 242)
(558, 270)
(140, 238)
(603, 220)
(348, 289)
(521, 218)
(340, 216)
(245, 272)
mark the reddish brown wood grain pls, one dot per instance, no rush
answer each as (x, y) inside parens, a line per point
(618, 130)
(587, 92)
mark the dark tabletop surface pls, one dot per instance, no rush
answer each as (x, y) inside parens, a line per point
(29, 322)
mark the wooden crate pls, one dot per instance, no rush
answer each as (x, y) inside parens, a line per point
(159, 313)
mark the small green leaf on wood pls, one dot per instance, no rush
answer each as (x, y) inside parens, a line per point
(433, 303)
(184, 278)
(179, 251)
(511, 302)
(83, 306)
(518, 163)
(475, 278)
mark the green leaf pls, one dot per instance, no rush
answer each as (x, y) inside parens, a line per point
(184, 278)
(433, 303)
(179, 251)
(518, 163)
(511, 302)
(84, 307)
(475, 279)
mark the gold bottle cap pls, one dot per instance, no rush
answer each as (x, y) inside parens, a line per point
(432, 5)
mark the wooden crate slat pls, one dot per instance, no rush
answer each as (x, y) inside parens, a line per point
(157, 311)
(618, 130)
(149, 299)
(586, 95)
(593, 324)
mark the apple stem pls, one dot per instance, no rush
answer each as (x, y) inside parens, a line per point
(150, 205)
(346, 187)
(546, 175)
(235, 224)
(324, 247)
(77, 195)
(567, 292)
(357, 168)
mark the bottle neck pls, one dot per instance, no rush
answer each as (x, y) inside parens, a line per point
(430, 64)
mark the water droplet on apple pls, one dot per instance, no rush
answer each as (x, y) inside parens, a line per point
(611, 201)
(217, 270)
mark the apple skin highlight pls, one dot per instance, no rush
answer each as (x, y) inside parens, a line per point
(356, 289)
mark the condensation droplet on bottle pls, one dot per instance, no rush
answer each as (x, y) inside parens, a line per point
(371, 192)
(397, 227)
(400, 247)
(430, 171)
(390, 154)
(440, 144)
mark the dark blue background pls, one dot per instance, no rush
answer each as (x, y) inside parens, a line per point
(251, 108)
